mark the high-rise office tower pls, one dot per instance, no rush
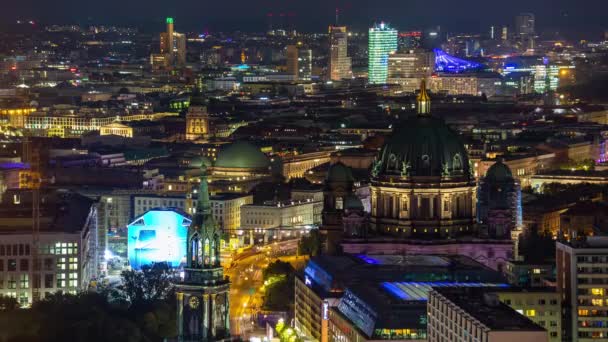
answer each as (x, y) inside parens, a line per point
(582, 265)
(339, 62)
(304, 64)
(505, 33)
(299, 62)
(173, 45)
(292, 60)
(409, 40)
(524, 24)
(382, 42)
(409, 68)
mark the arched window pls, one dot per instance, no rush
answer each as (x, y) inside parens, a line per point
(457, 162)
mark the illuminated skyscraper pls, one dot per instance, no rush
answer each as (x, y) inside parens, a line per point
(339, 62)
(382, 42)
(299, 62)
(524, 24)
(173, 45)
(292, 60)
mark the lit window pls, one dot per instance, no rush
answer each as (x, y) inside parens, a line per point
(536, 271)
(597, 291)
(531, 313)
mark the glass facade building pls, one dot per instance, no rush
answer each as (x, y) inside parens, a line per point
(382, 42)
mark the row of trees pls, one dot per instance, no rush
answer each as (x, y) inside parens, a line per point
(140, 309)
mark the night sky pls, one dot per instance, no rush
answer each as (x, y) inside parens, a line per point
(587, 16)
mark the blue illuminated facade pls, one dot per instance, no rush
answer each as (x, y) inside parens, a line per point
(159, 235)
(450, 64)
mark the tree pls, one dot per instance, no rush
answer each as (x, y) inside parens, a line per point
(279, 281)
(152, 283)
(310, 245)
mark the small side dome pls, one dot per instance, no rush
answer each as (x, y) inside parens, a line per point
(499, 172)
(339, 173)
(353, 202)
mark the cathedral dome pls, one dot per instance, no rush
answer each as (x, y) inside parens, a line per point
(425, 146)
(242, 155)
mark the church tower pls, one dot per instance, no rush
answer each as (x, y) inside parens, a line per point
(202, 297)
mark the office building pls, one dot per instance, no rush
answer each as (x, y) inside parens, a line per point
(339, 62)
(226, 209)
(304, 64)
(409, 40)
(409, 68)
(524, 24)
(292, 60)
(382, 42)
(67, 245)
(542, 305)
(582, 265)
(470, 84)
(377, 297)
(172, 46)
(470, 314)
(525, 274)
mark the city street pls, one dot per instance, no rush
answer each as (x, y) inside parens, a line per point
(247, 280)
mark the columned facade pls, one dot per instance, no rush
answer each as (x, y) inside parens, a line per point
(411, 209)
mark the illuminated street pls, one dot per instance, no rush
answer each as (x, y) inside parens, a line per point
(247, 279)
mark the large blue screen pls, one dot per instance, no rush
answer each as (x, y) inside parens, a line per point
(158, 236)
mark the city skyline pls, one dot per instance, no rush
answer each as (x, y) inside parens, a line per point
(563, 15)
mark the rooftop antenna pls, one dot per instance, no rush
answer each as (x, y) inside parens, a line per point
(337, 15)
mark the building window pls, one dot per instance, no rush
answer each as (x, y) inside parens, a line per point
(48, 264)
(12, 265)
(48, 281)
(60, 280)
(531, 313)
(24, 265)
(24, 281)
(12, 282)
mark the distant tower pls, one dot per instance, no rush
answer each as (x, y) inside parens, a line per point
(382, 42)
(197, 120)
(203, 295)
(339, 62)
(525, 24)
(173, 45)
(299, 62)
(292, 60)
(499, 202)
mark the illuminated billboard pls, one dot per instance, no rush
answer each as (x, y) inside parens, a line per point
(159, 235)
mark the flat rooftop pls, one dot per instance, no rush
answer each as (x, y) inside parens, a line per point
(493, 314)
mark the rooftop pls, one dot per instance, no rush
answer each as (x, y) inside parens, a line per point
(493, 314)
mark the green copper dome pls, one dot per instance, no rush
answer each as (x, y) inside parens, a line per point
(499, 172)
(241, 154)
(339, 173)
(423, 146)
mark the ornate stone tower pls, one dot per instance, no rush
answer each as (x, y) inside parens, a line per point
(197, 119)
(202, 297)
